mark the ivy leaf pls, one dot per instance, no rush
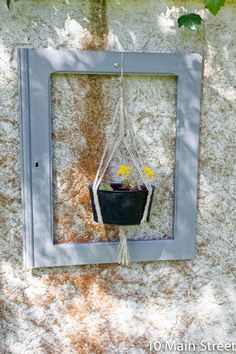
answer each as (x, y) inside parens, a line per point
(191, 21)
(214, 6)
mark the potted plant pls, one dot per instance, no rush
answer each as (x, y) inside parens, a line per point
(123, 203)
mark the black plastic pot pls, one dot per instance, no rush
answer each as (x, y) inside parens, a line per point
(121, 207)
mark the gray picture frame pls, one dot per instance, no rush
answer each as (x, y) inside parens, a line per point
(35, 69)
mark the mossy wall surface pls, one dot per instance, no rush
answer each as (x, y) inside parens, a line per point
(108, 308)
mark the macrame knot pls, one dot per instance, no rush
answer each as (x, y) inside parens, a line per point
(123, 257)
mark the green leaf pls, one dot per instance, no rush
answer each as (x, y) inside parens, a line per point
(8, 3)
(105, 187)
(214, 6)
(191, 21)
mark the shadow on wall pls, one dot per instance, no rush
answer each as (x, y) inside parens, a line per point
(100, 308)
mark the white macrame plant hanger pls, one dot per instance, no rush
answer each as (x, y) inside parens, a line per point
(126, 136)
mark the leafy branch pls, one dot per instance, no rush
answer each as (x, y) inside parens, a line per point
(193, 21)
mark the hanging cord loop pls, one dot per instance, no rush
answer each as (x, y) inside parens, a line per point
(126, 136)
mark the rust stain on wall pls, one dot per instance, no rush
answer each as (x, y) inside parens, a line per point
(94, 293)
(92, 116)
(85, 343)
(98, 26)
(103, 337)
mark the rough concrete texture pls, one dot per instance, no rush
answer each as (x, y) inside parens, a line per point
(111, 309)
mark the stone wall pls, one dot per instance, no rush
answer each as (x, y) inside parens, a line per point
(108, 308)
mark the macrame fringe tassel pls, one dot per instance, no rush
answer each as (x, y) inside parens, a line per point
(123, 257)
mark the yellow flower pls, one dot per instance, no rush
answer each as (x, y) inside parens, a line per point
(149, 172)
(124, 171)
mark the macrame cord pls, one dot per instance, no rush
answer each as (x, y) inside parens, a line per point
(126, 135)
